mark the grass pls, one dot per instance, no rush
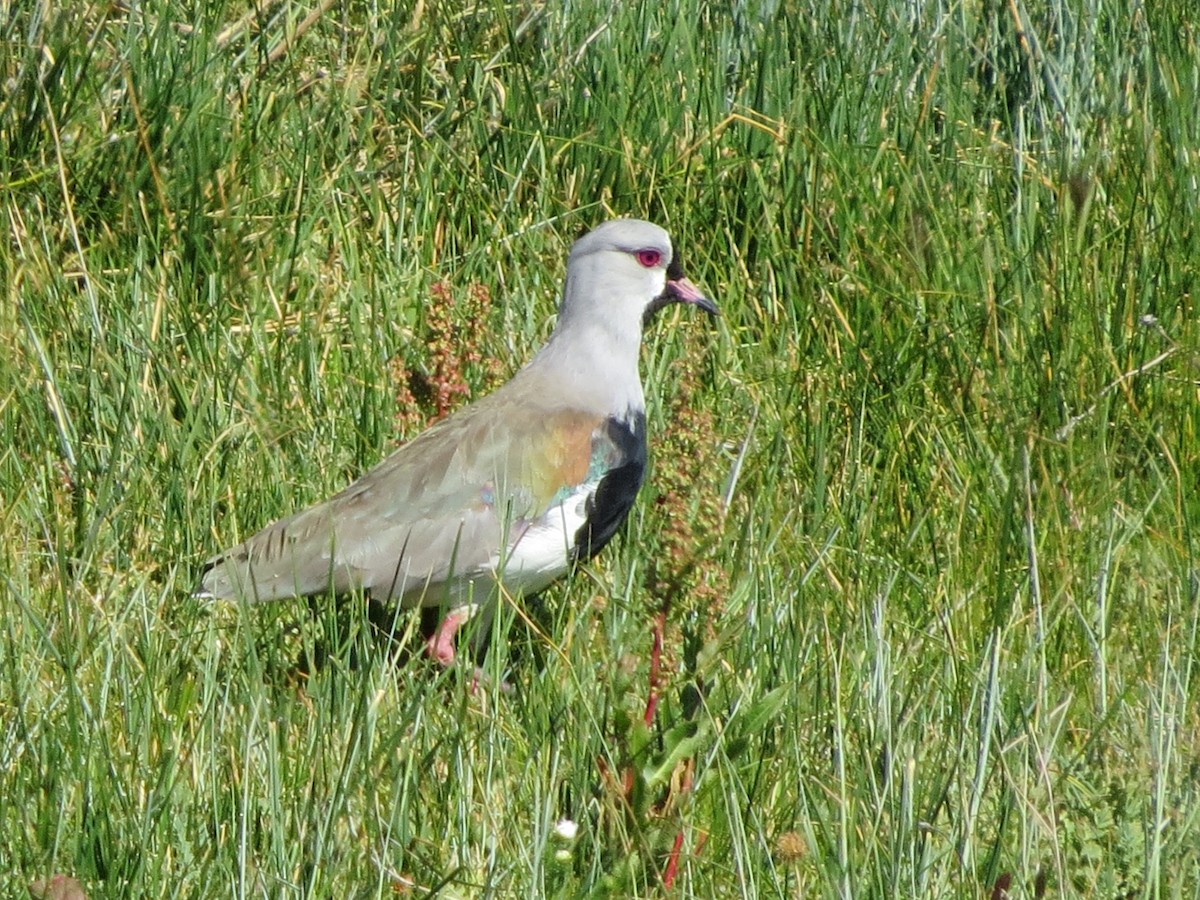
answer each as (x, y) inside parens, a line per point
(923, 511)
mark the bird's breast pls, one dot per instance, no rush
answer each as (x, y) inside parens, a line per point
(621, 442)
(596, 487)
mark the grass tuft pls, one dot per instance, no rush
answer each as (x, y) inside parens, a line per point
(920, 538)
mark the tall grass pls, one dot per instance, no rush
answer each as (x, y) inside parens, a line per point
(922, 518)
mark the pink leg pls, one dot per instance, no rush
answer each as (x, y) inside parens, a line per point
(440, 645)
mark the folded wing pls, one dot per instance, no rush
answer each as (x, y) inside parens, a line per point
(436, 514)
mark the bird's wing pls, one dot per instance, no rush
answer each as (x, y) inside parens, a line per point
(437, 509)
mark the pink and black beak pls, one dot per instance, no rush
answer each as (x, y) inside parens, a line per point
(680, 290)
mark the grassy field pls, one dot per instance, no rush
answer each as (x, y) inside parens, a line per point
(923, 515)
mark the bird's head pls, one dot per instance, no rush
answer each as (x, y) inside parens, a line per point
(623, 272)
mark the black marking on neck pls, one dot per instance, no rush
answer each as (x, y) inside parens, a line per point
(614, 496)
(675, 269)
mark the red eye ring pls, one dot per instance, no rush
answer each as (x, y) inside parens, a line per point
(649, 258)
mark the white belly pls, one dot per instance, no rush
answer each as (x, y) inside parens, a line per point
(544, 551)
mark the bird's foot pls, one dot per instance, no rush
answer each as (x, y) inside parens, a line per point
(481, 680)
(440, 645)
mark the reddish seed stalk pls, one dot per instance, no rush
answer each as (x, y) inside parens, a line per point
(660, 624)
(685, 787)
(673, 862)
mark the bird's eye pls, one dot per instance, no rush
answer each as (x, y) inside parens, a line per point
(649, 258)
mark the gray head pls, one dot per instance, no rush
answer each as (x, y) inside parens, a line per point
(622, 272)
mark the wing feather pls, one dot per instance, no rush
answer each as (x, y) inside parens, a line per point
(434, 513)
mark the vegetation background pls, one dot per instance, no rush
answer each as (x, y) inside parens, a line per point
(922, 524)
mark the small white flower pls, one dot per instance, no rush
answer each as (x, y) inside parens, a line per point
(566, 829)
(562, 855)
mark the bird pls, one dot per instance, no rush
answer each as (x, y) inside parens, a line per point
(509, 493)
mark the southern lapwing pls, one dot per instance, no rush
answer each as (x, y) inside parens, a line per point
(510, 491)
